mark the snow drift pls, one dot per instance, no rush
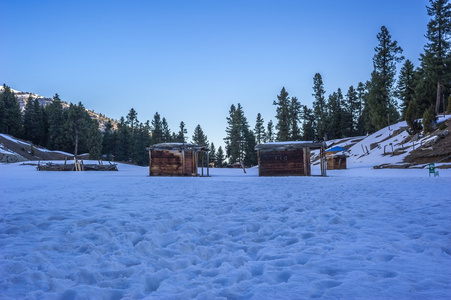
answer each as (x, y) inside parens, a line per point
(359, 233)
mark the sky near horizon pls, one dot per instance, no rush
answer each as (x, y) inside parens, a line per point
(191, 60)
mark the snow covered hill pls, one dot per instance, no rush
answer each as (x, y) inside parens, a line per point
(393, 147)
(23, 98)
(15, 150)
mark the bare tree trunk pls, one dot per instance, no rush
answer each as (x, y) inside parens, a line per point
(438, 98)
(76, 142)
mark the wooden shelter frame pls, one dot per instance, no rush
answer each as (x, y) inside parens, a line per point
(305, 146)
(185, 149)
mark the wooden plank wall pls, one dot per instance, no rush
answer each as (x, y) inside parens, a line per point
(165, 163)
(284, 162)
(190, 162)
(336, 162)
(172, 163)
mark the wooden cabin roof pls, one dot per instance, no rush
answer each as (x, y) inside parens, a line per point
(290, 145)
(178, 146)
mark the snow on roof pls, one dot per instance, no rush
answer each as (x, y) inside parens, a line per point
(290, 145)
(178, 146)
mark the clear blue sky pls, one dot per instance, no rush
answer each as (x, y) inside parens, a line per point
(190, 60)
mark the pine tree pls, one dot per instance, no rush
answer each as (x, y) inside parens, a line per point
(56, 119)
(259, 129)
(361, 101)
(333, 129)
(29, 121)
(220, 158)
(77, 126)
(361, 92)
(308, 126)
(38, 131)
(406, 86)
(141, 143)
(109, 141)
(167, 136)
(94, 140)
(43, 125)
(199, 138)
(124, 142)
(283, 115)
(212, 154)
(250, 155)
(428, 119)
(295, 112)
(237, 133)
(350, 113)
(365, 126)
(132, 120)
(232, 136)
(157, 129)
(181, 136)
(244, 136)
(436, 60)
(411, 117)
(380, 99)
(269, 137)
(2, 111)
(11, 118)
(319, 106)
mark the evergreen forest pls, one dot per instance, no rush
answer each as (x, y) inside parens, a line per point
(396, 90)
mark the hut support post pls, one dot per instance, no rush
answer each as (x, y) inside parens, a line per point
(208, 164)
(323, 161)
(194, 163)
(183, 161)
(202, 162)
(150, 162)
(321, 152)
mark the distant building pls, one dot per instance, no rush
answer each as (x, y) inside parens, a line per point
(176, 159)
(288, 158)
(336, 159)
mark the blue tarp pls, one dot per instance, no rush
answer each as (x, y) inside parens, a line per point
(336, 149)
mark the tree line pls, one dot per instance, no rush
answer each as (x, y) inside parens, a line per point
(422, 92)
(72, 129)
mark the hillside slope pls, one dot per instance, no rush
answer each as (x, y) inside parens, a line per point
(393, 147)
(22, 98)
(15, 150)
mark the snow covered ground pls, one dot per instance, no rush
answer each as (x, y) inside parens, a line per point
(358, 233)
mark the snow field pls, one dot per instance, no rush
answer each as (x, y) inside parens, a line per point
(123, 235)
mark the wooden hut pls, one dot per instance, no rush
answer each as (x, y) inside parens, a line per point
(288, 158)
(335, 158)
(176, 159)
